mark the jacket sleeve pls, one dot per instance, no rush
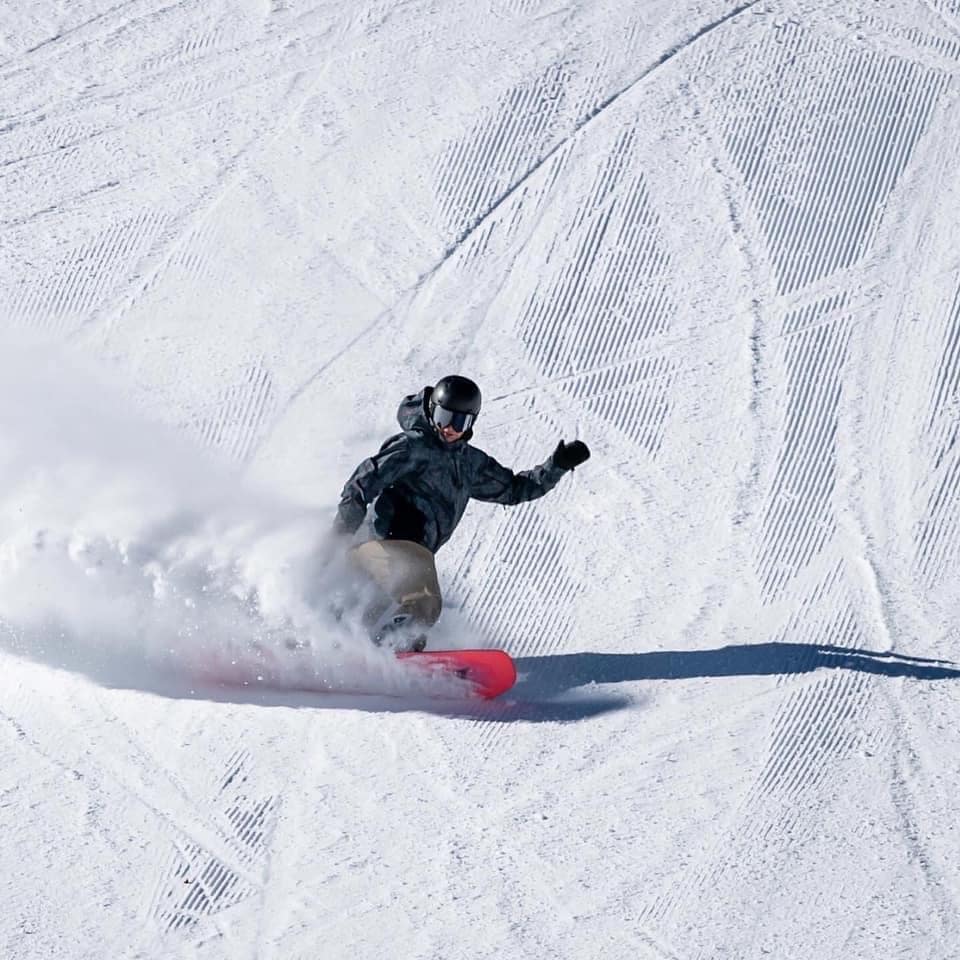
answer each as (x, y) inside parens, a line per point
(496, 484)
(393, 461)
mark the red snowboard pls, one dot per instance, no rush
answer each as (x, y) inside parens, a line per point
(487, 672)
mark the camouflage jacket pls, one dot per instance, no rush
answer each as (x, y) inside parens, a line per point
(420, 485)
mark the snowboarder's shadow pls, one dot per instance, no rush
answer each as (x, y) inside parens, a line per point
(546, 676)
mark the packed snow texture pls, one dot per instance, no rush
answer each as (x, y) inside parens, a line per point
(716, 241)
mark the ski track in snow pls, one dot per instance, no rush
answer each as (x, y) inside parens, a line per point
(723, 255)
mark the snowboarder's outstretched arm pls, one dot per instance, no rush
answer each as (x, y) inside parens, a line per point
(494, 483)
(376, 473)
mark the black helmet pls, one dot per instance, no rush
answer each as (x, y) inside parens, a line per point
(455, 402)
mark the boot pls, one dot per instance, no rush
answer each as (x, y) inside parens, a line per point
(399, 630)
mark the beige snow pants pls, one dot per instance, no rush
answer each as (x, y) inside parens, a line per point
(406, 577)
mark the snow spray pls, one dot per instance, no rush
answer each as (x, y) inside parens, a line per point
(129, 553)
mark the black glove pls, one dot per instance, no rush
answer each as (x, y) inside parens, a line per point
(570, 455)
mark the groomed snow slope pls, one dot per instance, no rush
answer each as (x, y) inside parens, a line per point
(715, 240)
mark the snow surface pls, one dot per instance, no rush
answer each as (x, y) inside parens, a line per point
(715, 240)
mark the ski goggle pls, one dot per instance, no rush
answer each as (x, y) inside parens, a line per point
(452, 418)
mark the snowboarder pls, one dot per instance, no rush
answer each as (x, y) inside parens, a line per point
(419, 484)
